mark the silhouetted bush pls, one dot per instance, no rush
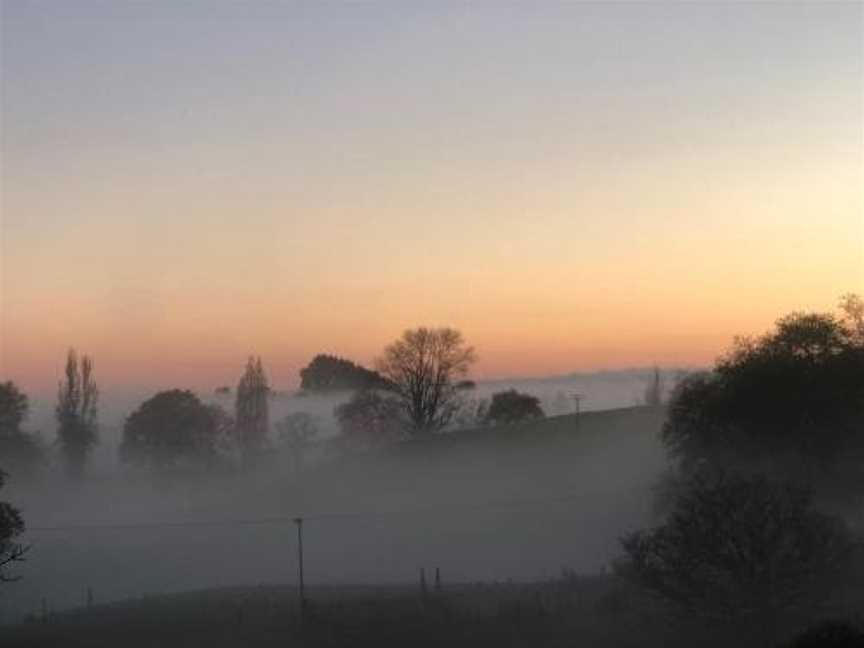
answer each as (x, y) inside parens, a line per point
(744, 550)
(331, 373)
(173, 429)
(511, 406)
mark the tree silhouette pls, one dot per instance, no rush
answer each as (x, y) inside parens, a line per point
(745, 550)
(76, 413)
(252, 410)
(328, 373)
(511, 406)
(423, 367)
(14, 406)
(22, 452)
(371, 418)
(173, 429)
(11, 526)
(790, 402)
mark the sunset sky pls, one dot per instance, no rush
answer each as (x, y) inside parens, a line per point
(574, 186)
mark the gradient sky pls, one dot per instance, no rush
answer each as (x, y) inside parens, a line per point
(575, 186)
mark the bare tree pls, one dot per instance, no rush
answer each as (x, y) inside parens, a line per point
(423, 367)
(76, 413)
(252, 410)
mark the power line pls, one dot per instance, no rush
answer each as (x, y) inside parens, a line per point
(285, 519)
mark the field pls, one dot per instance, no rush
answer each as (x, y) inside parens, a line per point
(596, 611)
(520, 502)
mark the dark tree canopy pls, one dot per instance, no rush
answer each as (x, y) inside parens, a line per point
(332, 373)
(742, 549)
(13, 408)
(173, 428)
(423, 368)
(511, 406)
(371, 418)
(11, 526)
(791, 401)
(22, 453)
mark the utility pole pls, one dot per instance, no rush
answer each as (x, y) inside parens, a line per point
(300, 585)
(578, 398)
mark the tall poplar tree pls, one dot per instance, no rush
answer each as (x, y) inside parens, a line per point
(76, 413)
(252, 410)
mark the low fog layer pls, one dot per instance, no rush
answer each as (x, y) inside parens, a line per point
(522, 504)
(597, 391)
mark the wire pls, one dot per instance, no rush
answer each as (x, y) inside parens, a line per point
(282, 519)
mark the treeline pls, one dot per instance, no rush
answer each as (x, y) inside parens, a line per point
(762, 510)
(419, 388)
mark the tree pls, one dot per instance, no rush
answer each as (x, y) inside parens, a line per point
(14, 407)
(11, 526)
(296, 432)
(852, 307)
(76, 413)
(252, 410)
(743, 550)
(371, 418)
(174, 429)
(790, 402)
(511, 406)
(422, 368)
(21, 452)
(330, 373)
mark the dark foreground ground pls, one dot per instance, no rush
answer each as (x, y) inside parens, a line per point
(573, 611)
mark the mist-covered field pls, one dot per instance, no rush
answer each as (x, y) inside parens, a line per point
(520, 502)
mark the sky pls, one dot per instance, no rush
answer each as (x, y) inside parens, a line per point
(574, 186)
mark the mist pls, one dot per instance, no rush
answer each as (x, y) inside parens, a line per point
(476, 507)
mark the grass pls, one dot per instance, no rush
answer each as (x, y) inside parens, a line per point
(591, 611)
